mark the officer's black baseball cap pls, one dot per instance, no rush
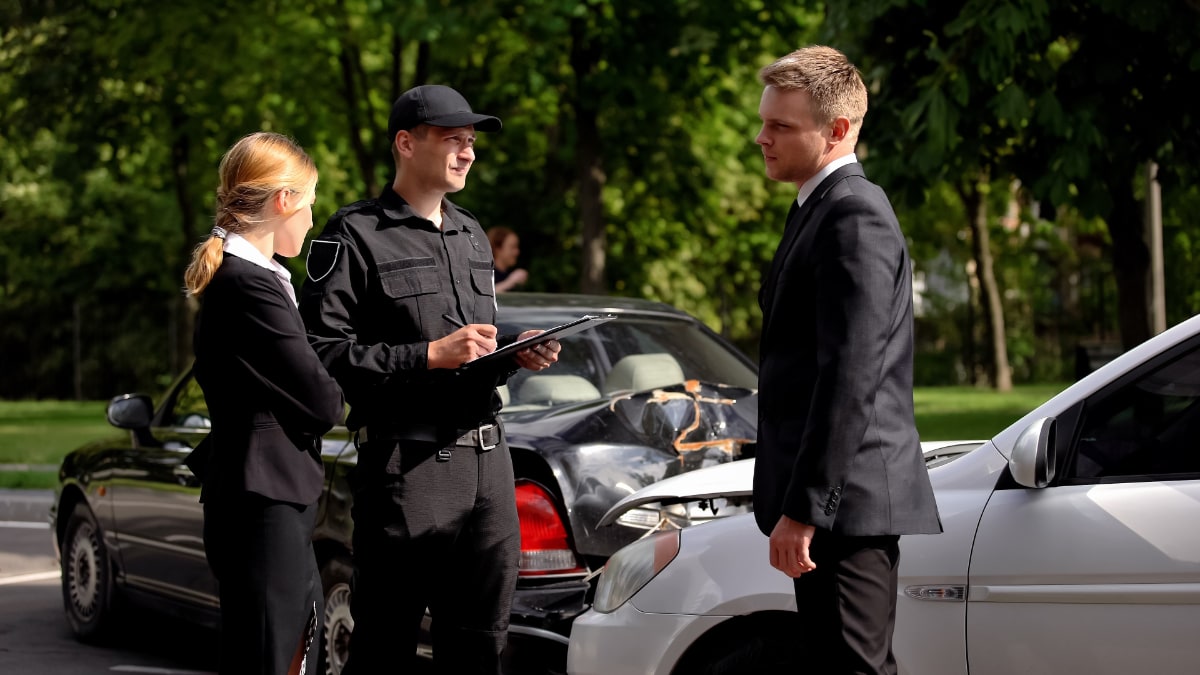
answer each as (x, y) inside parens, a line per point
(436, 105)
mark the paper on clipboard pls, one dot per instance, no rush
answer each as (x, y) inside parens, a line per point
(579, 325)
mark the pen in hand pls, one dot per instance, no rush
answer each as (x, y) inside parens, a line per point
(459, 324)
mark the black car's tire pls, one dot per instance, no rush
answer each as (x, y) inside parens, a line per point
(87, 578)
(337, 624)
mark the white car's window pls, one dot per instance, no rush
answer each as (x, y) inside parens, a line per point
(1147, 428)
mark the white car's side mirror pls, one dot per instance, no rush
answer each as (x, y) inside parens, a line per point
(1032, 461)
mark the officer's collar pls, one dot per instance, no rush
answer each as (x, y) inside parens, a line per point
(396, 209)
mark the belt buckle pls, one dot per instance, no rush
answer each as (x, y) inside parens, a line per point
(484, 447)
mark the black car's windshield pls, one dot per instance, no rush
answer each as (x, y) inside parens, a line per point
(632, 353)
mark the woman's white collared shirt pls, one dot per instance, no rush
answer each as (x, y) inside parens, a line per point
(236, 244)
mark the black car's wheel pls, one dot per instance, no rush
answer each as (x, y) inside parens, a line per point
(86, 576)
(337, 624)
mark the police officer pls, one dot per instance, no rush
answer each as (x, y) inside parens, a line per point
(399, 295)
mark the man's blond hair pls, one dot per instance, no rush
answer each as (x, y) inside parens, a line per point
(833, 83)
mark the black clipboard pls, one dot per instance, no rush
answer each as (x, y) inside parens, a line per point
(579, 325)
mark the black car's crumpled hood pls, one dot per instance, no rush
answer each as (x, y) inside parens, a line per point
(604, 451)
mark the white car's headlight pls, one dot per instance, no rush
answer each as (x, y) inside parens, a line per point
(633, 567)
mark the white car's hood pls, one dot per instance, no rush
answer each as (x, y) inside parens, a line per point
(731, 479)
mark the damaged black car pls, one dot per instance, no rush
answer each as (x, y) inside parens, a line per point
(644, 397)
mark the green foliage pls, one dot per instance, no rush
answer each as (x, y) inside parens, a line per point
(120, 112)
(1181, 240)
(28, 480)
(115, 115)
(966, 413)
(41, 432)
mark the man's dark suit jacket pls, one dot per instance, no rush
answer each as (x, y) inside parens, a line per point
(837, 441)
(269, 397)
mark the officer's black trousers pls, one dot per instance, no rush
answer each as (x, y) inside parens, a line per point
(261, 553)
(436, 534)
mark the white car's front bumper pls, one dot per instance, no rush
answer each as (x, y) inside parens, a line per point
(629, 641)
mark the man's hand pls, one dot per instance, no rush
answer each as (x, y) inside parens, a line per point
(466, 343)
(789, 547)
(538, 357)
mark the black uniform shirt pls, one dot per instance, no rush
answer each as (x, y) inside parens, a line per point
(380, 277)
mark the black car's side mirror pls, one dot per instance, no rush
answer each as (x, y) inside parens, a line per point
(130, 411)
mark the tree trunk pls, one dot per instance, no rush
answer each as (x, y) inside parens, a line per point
(589, 170)
(590, 176)
(970, 362)
(989, 291)
(347, 59)
(77, 349)
(1131, 263)
(180, 350)
(397, 68)
(424, 63)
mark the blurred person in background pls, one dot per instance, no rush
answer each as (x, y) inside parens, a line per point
(506, 248)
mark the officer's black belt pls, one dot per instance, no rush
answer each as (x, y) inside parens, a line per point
(486, 436)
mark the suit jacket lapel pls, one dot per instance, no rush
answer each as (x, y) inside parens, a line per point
(798, 217)
(791, 226)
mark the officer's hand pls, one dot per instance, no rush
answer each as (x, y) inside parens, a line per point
(469, 342)
(538, 357)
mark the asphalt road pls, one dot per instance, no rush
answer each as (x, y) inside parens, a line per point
(34, 637)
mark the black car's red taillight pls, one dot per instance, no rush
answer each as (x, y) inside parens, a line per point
(544, 545)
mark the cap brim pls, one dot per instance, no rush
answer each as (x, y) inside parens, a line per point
(480, 122)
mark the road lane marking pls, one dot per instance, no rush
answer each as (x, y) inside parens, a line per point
(24, 524)
(23, 578)
(159, 670)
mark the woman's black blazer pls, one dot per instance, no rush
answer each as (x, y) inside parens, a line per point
(269, 397)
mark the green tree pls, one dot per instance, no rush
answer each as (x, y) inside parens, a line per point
(946, 109)
(1052, 93)
(627, 150)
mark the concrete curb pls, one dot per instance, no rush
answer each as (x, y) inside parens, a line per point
(25, 505)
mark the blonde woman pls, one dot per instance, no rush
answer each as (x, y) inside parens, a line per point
(270, 401)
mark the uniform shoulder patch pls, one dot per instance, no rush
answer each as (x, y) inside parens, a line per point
(322, 256)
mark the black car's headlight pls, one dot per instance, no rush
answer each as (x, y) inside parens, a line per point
(633, 567)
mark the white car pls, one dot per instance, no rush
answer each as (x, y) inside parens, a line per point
(1071, 545)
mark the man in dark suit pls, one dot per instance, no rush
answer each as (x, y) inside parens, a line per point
(839, 473)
